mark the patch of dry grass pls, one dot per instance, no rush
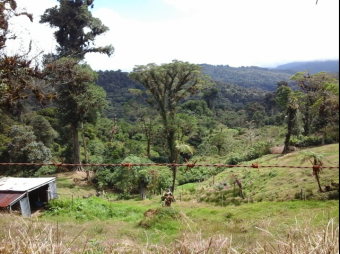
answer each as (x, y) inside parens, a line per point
(33, 236)
(301, 239)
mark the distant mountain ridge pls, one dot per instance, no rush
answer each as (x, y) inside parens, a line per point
(266, 78)
(311, 66)
(247, 77)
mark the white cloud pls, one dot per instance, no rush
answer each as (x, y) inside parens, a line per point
(233, 32)
(41, 35)
(242, 32)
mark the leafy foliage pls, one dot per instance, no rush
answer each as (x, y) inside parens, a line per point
(167, 85)
(137, 179)
(24, 148)
(92, 209)
(72, 19)
(19, 78)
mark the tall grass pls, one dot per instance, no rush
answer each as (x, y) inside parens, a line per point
(301, 240)
(33, 236)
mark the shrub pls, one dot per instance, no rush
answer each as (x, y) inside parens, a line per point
(46, 170)
(306, 141)
(234, 159)
(259, 149)
(160, 218)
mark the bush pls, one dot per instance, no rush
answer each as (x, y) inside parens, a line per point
(259, 149)
(161, 218)
(306, 141)
(192, 175)
(46, 170)
(234, 159)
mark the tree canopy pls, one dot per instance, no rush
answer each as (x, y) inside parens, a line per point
(77, 28)
(166, 86)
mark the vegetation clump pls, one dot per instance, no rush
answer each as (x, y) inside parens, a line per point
(161, 218)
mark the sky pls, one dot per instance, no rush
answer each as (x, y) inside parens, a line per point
(263, 33)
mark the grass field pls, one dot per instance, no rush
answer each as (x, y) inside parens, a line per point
(272, 218)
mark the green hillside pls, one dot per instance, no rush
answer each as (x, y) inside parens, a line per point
(248, 77)
(270, 183)
(271, 219)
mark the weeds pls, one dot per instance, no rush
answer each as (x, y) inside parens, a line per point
(32, 236)
(301, 239)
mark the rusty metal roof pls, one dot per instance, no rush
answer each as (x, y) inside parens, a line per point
(23, 184)
(9, 198)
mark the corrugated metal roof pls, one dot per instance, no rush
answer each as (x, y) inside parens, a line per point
(23, 184)
(8, 198)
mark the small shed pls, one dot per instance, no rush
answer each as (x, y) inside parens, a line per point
(26, 194)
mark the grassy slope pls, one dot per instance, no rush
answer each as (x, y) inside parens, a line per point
(97, 223)
(270, 183)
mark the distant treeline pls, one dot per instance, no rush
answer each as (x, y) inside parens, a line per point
(248, 77)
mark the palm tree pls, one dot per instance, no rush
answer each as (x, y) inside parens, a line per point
(317, 161)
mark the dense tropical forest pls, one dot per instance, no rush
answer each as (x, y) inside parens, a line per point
(60, 110)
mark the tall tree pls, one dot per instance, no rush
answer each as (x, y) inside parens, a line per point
(75, 34)
(79, 99)
(145, 119)
(210, 96)
(77, 29)
(327, 109)
(166, 86)
(286, 98)
(310, 85)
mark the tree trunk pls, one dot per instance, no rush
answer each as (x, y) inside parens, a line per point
(286, 144)
(316, 172)
(240, 192)
(142, 190)
(219, 149)
(85, 153)
(323, 138)
(173, 156)
(148, 147)
(174, 175)
(76, 149)
(291, 116)
(307, 122)
(84, 146)
(318, 180)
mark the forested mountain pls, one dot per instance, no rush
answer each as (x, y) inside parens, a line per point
(116, 85)
(266, 78)
(248, 77)
(312, 67)
(221, 96)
